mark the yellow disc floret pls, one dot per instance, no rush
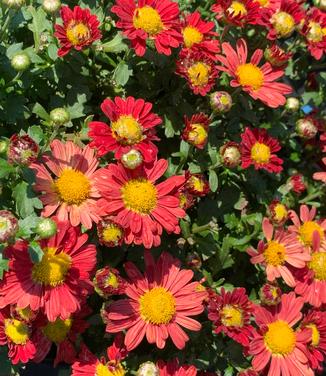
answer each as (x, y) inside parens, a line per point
(157, 306)
(72, 187)
(260, 153)
(280, 338)
(58, 330)
(197, 135)
(77, 33)
(307, 230)
(191, 36)
(231, 316)
(112, 281)
(199, 73)
(315, 336)
(250, 75)
(263, 3)
(283, 24)
(280, 212)
(316, 33)
(112, 233)
(17, 331)
(274, 253)
(127, 130)
(237, 8)
(52, 269)
(148, 19)
(318, 265)
(115, 369)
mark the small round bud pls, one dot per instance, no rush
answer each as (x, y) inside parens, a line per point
(107, 282)
(132, 159)
(321, 4)
(8, 225)
(196, 184)
(181, 242)
(306, 128)
(230, 154)
(270, 294)
(292, 104)
(21, 61)
(148, 369)
(4, 146)
(297, 184)
(46, 228)
(221, 101)
(194, 261)
(15, 4)
(22, 150)
(59, 116)
(277, 212)
(186, 200)
(109, 233)
(196, 130)
(51, 6)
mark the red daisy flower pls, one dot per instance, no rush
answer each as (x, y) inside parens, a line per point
(141, 207)
(238, 12)
(282, 17)
(132, 127)
(198, 70)
(259, 149)
(314, 30)
(22, 150)
(173, 368)
(230, 313)
(196, 184)
(158, 303)
(107, 282)
(156, 20)
(258, 82)
(56, 283)
(277, 56)
(197, 35)
(297, 184)
(80, 29)
(277, 348)
(316, 321)
(196, 130)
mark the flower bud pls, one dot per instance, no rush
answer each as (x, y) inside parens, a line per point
(196, 130)
(306, 128)
(297, 184)
(22, 150)
(276, 56)
(277, 212)
(292, 104)
(21, 61)
(51, 6)
(186, 200)
(59, 116)
(221, 101)
(321, 4)
(196, 184)
(109, 233)
(283, 24)
(230, 154)
(107, 282)
(132, 159)
(148, 369)
(46, 228)
(15, 4)
(8, 225)
(270, 294)
(194, 261)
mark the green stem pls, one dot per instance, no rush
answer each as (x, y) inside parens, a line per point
(14, 80)
(202, 228)
(5, 25)
(309, 197)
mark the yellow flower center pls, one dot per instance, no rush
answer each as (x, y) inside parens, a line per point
(315, 336)
(199, 74)
(73, 187)
(237, 8)
(283, 23)
(17, 331)
(127, 130)
(198, 134)
(307, 230)
(280, 338)
(112, 233)
(196, 183)
(231, 316)
(250, 75)
(77, 33)
(263, 3)
(58, 330)
(191, 36)
(316, 33)
(107, 370)
(52, 269)
(112, 280)
(318, 265)
(274, 253)
(280, 212)
(260, 153)
(148, 19)
(25, 313)
(157, 306)
(139, 195)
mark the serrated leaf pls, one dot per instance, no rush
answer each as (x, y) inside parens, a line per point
(41, 112)
(35, 252)
(26, 199)
(36, 133)
(5, 168)
(27, 225)
(122, 73)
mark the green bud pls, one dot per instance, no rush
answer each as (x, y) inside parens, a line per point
(46, 228)
(51, 6)
(59, 116)
(15, 4)
(21, 61)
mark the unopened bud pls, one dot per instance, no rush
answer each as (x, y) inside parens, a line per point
(46, 228)
(59, 116)
(51, 6)
(221, 101)
(132, 159)
(21, 61)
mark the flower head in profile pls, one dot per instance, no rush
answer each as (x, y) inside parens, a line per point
(22, 150)
(278, 213)
(58, 282)
(132, 124)
(314, 30)
(149, 20)
(108, 282)
(278, 58)
(258, 149)
(281, 251)
(80, 29)
(196, 184)
(173, 368)
(230, 313)
(158, 304)
(196, 130)
(297, 184)
(277, 347)
(141, 206)
(257, 81)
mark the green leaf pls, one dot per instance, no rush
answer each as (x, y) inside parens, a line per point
(4, 265)
(26, 199)
(38, 25)
(213, 180)
(13, 49)
(35, 251)
(115, 45)
(36, 133)
(122, 73)
(5, 168)
(41, 112)
(27, 225)
(53, 52)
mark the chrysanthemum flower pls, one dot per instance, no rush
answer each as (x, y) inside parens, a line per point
(107, 282)
(198, 70)
(316, 321)
(297, 184)
(143, 20)
(109, 233)
(22, 150)
(282, 17)
(277, 348)
(66, 178)
(139, 205)
(230, 154)
(196, 130)
(238, 12)
(270, 294)
(173, 368)
(158, 303)
(314, 30)
(230, 313)
(8, 225)
(56, 283)
(277, 56)
(18, 335)
(257, 81)
(131, 127)
(80, 29)
(278, 213)
(258, 149)
(196, 184)
(280, 251)
(197, 35)
(306, 229)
